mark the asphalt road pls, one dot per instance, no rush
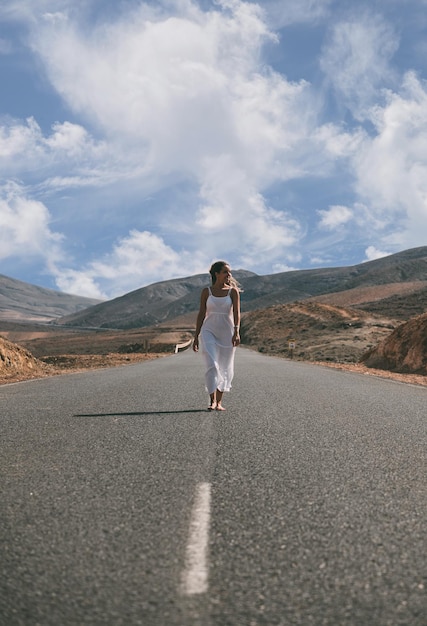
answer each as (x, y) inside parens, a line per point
(125, 502)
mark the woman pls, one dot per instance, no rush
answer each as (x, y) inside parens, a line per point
(218, 324)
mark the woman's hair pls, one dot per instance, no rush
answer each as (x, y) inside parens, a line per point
(216, 268)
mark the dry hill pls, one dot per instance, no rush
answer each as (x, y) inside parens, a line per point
(400, 300)
(321, 332)
(404, 350)
(21, 301)
(166, 301)
(155, 304)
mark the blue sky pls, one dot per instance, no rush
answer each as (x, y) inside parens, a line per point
(140, 141)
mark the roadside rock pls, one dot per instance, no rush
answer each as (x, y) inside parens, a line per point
(405, 350)
(17, 362)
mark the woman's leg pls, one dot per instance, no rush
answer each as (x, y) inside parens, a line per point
(213, 403)
(219, 395)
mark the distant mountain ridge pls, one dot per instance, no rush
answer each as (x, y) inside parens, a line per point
(20, 301)
(149, 305)
(167, 300)
(396, 284)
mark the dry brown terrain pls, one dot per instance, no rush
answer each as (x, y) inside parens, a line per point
(54, 341)
(412, 379)
(324, 334)
(321, 332)
(40, 351)
(18, 364)
(372, 293)
(404, 350)
(337, 337)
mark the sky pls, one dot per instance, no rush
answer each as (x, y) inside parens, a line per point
(142, 141)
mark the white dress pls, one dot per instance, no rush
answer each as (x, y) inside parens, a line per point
(216, 342)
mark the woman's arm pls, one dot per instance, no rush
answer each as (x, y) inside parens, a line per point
(235, 298)
(200, 317)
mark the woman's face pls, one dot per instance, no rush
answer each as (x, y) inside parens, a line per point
(224, 275)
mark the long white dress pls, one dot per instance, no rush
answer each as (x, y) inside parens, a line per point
(216, 342)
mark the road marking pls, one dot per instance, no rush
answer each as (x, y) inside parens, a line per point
(195, 574)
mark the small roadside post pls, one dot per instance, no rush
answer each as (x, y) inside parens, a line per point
(291, 346)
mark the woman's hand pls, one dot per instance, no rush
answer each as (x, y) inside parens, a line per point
(196, 344)
(236, 338)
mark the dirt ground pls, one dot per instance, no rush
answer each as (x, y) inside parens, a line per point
(412, 379)
(39, 352)
(66, 364)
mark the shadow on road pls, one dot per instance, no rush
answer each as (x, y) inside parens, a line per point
(139, 413)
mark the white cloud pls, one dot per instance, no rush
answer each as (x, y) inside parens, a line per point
(356, 60)
(25, 150)
(335, 217)
(187, 95)
(318, 261)
(78, 282)
(392, 167)
(147, 78)
(70, 138)
(338, 143)
(372, 253)
(136, 260)
(27, 10)
(280, 14)
(234, 216)
(171, 98)
(24, 227)
(278, 268)
(17, 140)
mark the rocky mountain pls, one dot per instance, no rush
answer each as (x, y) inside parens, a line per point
(404, 350)
(21, 301)
(395, 285)
(392, 271)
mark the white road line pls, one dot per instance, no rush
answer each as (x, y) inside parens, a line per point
(195, 574)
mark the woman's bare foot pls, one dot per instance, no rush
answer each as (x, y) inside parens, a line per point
(219, 407)
(212, 406)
